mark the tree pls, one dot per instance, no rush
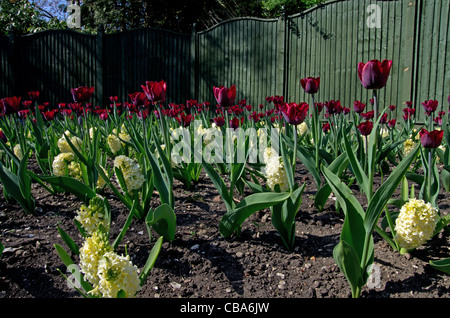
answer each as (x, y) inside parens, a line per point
(21, 17)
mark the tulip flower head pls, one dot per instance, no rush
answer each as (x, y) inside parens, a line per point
(34, 95)
(432, 139)
(294, 113)
(374, 74)
(310, 84)
(82, 94)
(225, 96)
(430, 106)
(334, 107)
(155, 91)
(359, 107)
(365, 128)
(219, 121)
(10, 105)
(138, 98)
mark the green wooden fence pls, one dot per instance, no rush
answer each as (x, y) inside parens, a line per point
(262, 57)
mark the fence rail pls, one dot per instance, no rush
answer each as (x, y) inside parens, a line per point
(263, 57)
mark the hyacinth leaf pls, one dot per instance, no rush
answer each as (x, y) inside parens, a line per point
(358, 171)
(11, 183)
(2, 247)
(349, 263)
(166, 164)
(159, 181)
(287, 165)
(233, 219)
(125, 226)
(386, 190)
(443, 265)
(219, 184)
(150, 261)
(283, 217)
(75, 187)
(305, 157)
(336, 167)
(124, 200)
(69, 241)
(67, 260)
(353, 232)
(163, 221)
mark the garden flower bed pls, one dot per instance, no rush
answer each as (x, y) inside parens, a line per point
(283, 200)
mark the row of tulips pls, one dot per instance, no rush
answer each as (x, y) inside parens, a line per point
(134, 149)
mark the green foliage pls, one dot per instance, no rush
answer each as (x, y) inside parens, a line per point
(23, 17)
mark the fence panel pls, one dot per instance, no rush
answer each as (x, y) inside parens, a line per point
(432, 80)
(53, 62)
(330, 40)
(137, 56)
(244, 52)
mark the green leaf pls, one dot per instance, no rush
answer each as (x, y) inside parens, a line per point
(2, 247)
(67, 260)
(358, 171)
(77, 188)
(336, 167)
(353, 232)
(232, 220)
(150, 261)
(69, 241)
(11, 184)
(125, 227)
(219, 184)
(283, 217)
(287, 164)
(121, 294)
(442, 265)
(163, 221)
(158, 178)
(349, 263)
(386, 190)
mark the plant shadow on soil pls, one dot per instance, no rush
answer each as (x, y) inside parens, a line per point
(199, 263)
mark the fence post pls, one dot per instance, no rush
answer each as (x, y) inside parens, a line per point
(282, 55)
(12, 60)
(99, 85)
(194, 62)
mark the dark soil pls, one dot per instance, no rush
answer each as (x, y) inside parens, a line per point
(199, 263)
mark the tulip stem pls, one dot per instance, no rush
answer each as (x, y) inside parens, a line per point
(294, 155)
(429, 177)
(375, 105)
(316, 130)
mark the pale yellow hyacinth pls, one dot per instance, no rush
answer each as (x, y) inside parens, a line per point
(131, 171)
(116, 272)
(65, 161)
(92, 216)
(415, 224)
(302, 128)
(64, 146)
(408, 146)
(92, 251)
(18, 151)
(275, 171)
(114, 143)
